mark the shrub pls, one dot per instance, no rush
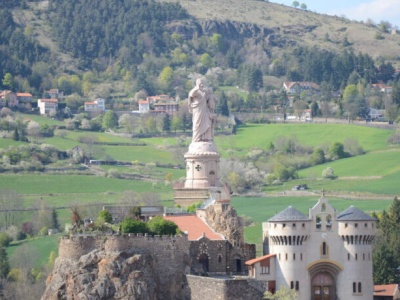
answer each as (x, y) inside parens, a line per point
(5, 239)
(328, 173)
(133, 226)
(158, 225)
(105, 215)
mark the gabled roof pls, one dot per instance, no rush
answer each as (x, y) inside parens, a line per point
(354, 214)
(48, 100)
(24, 94)
(194, 226)
(386, 290)
(258, 259)
(289, 214)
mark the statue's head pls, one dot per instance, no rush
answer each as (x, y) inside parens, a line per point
(200, 83)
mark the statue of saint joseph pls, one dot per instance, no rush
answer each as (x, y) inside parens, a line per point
(201, 105)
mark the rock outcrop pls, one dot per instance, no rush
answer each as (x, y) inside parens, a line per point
(127, 274)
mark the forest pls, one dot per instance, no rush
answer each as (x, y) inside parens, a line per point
(158, 47)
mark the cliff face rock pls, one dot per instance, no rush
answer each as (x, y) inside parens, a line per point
(227, 223)
(231, 30)
(125, 274)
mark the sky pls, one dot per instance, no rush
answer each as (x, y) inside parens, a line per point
(360, 10)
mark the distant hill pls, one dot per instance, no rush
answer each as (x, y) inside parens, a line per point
(302, 27)
(158, 46)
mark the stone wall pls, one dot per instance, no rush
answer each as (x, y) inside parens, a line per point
(224, 288)
(76, 246)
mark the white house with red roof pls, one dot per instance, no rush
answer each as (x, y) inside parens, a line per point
(47, 105)
(144, 106)
(97, 105)
(296, 87)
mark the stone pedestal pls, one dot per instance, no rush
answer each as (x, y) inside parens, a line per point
(202, 176)
(202, 166)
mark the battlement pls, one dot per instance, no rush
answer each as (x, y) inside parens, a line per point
(75, 246)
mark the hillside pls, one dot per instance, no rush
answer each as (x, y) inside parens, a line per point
(158, 46)
(303, 27)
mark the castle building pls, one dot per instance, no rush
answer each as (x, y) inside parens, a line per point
(323, 256)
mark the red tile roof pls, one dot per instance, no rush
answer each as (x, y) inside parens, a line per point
(258, 259)
(386, 290)
(24, 94)
(194, 226)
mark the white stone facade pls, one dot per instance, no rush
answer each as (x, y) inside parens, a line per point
(326, 255)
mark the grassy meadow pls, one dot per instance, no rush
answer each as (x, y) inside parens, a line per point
(372, 177)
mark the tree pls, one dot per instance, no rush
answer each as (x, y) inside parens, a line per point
(166, 123)
(295, 4)
(166, 76)
(176, 123)
(337, 151)
(110, 120)
(303, 6)
(159, 226)
(318, 157)
(54, 219)
(133, 226)
(105, 216)
(8, 81)
(349, 97)
(222, 105)
(16, 135)
(4, 264)
(396, 93)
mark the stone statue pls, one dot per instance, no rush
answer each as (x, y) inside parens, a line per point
(201, 105)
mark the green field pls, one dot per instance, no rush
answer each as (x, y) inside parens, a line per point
(369, 176)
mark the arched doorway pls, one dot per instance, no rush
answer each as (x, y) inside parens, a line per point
(323, 274)
(203, 261)
(323, 287)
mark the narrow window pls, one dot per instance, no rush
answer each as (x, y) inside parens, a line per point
(356, 225)
(348, 256)
(297, 286)
(323, 248)
(286, 256)
(291, 285)
(356, 256)
(354, 287)
(301, 256)
(359, 287)
(294, 225)
(294, 256)
(366, 225)
(345, 225)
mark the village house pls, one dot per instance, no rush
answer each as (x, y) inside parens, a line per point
(55, 94)
(8, 99)
(24, 97)
(297, 87)
(158, 104)
(144, 106)
(387, 292)
(168, 107)
(381, 87)
(97, 105)
(47, 105)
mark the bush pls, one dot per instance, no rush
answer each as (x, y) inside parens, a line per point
(133, 226)
(328, 173)
(158, 225)
(5, 239)
(106, 216)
